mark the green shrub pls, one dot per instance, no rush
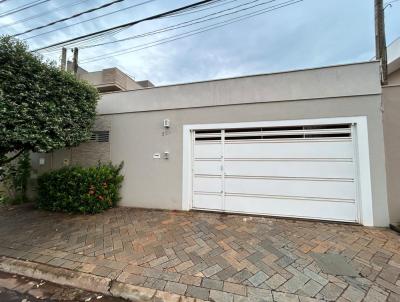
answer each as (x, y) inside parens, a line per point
(80, 190)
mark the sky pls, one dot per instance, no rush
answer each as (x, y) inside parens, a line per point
(307, 34)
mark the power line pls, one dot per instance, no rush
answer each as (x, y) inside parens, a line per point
(129, 24)
(97, 17)
(190, 22)
(44, 13)
(191, 33)
(179, 37)
(23, 7)
(88, 20)
(199, 10)
(101, 36)
(71, 17)
(187, 23)
(389, 4)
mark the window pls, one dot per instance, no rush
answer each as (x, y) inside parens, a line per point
(100, 136)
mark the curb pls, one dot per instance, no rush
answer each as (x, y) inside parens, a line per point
(88, 282)
(57, 275)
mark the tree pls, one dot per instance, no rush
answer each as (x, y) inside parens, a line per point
(41, 107)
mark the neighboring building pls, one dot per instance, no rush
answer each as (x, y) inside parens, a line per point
(306, 143)
(394, 62)
(391, 126)
(110, 79)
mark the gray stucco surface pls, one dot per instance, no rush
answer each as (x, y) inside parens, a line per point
(136, 119)
(336, 81)
(391, 123)
(151, 183)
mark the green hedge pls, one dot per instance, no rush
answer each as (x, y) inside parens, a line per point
(80, 190)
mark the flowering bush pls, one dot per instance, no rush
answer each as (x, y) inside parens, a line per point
(80, 190)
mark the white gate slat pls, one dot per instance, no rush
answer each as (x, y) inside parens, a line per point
(295, 150)
(291, 187)
(292, 208)
(281, 168)
(293, 177)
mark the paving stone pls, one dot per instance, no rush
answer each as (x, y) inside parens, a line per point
(212, 284)
(308, 299)
(135, 279)
(284, 297)
(212, 270)
(316, 277)
(174, 287)
(70, 265)
(390, 273)
(234, 288)
(393, 297)
(134, 269)
(158, 261)
(310, 289)
(170, 276)
(102, 271)
(259, 293)
(275, 281)
(219, 296)
(331, 292)
(255, 257)
(353, 294)
(226, 273)
(258, 278)
(285, 261)
(295, 283)
(183, 266)
(198, 292)
(388, 285)
(44, 259)
(375, 295)
(177, 249)
(57, 261)
(190, 280)
(244, 274)
(155, 283)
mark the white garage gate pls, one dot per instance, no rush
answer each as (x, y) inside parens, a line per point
(307, 171)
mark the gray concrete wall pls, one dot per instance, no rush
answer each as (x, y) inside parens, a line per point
(136, 119)
(391, 123)
(394, 78)
(112, 77)
(154, 183)
(336, 81)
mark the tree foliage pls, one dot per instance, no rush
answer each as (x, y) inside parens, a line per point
(41, 107)
(14, 178)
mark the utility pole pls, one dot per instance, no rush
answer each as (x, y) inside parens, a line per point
(63, 58)
(380, 39)
(75, 61)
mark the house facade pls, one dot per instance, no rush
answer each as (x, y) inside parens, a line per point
(391, 126)
(317, 144)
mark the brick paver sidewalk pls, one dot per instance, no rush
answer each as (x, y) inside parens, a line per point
(209, 256)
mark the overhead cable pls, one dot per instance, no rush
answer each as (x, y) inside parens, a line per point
(70, 17)
(129, 24)
(189, 33)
